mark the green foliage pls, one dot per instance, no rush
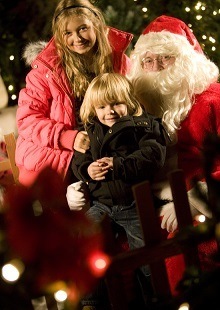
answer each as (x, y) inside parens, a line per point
(122, 14)
(129, 16)
(20, 23)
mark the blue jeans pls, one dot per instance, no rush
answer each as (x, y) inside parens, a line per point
(126, 217)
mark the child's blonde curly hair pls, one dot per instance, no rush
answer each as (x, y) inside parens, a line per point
(108, 88)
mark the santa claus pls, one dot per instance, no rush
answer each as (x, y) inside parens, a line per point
(176, 81)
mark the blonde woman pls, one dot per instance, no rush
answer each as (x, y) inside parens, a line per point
(82, 47)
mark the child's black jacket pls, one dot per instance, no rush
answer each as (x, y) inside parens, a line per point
(138, 147)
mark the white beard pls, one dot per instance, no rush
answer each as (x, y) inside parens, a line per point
(164, 94)
(149, 94)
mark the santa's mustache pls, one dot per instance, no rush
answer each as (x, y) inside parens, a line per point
(161, 91)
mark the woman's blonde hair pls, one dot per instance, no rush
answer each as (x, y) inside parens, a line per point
(76, 65)
(108, 88)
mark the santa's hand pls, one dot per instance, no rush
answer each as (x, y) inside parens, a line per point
(77, 195)
(169, 220)
(197, 204)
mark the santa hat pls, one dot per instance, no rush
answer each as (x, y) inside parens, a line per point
(173, 25)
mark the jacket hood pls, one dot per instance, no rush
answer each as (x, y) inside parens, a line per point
(32, 50)
(118, 39)
(172, 25)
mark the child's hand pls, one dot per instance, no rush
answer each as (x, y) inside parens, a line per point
(107, 162)
(97, 171)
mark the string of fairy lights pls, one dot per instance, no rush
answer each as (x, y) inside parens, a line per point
(12, 271)
(200, 8)
(11, 90)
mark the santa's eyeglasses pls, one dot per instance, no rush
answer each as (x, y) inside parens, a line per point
(148, 62)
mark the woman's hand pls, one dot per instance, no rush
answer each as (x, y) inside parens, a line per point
(82, 142)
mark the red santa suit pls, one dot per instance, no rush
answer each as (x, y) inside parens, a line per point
(202, 115)
(203, 118)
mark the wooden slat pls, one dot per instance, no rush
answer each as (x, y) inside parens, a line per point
(156, 249)
(10, 142)
(152, 236)
(5, 165)
(180, 198)
(183, 214)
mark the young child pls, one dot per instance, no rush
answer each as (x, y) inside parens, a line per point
(127, 146)
(82, 47)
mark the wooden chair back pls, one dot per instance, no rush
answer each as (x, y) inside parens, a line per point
(156, 249)
(9, 162)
